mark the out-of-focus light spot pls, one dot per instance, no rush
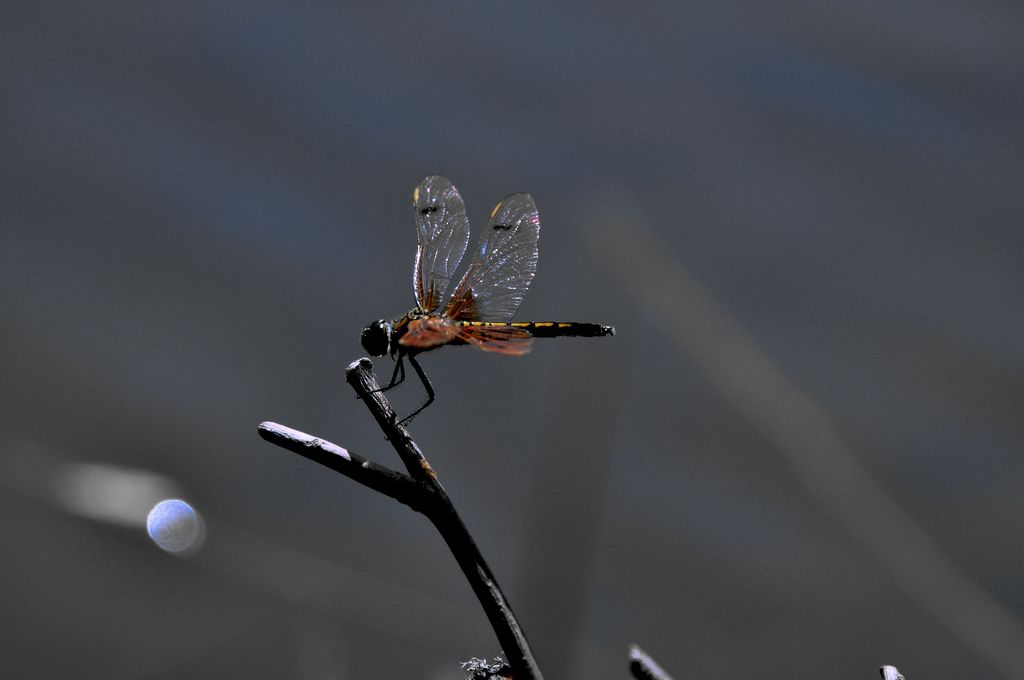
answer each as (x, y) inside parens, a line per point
(176, 527)
(110, 493)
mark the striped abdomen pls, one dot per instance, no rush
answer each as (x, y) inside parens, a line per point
(552, 329)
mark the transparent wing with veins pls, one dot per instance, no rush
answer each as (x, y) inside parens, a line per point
(503, 265)
(442, 233)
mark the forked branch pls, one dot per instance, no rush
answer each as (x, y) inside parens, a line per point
(422, 491)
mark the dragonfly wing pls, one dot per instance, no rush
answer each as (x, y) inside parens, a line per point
(430, 331)
(442, 233)
(498, 339)
(503, 265)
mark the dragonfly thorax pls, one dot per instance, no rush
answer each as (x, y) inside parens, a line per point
(376, 338)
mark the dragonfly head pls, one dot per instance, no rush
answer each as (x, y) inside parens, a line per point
(376, 338)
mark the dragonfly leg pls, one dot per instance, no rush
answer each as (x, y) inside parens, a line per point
(426, 384)
(395, 380)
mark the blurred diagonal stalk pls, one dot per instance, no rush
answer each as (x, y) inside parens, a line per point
(422, 491)
(803, 432)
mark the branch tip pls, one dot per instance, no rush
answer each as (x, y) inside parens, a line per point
(643, 667)
(268, 429)
(361, 364)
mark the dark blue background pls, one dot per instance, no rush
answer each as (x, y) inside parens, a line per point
(801, 454)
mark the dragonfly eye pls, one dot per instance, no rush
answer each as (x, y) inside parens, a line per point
(376, 338)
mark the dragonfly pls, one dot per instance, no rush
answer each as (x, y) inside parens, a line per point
(480, 309)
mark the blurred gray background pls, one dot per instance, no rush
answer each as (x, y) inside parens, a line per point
(800, 455)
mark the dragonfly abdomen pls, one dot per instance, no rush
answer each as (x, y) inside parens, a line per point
(553, 329)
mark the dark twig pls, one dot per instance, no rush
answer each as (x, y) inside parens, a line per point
(360, 376)
(643, 667)
(421, 491)
(377, 477)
